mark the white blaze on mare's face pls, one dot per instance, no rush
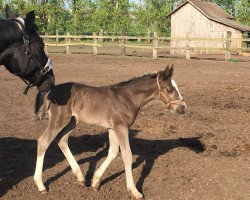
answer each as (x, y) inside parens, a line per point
(22, 21)
(175, 86)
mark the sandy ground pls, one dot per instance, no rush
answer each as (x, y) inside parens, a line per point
(203, 155)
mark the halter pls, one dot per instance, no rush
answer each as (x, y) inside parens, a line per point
(169, 102)
(43, 70)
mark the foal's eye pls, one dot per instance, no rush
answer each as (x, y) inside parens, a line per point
(170, 90)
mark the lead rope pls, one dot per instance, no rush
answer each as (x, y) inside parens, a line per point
(164, 95)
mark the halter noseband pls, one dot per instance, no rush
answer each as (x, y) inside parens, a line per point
(43, 70)
(169, 102)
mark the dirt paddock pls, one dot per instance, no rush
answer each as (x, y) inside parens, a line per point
(202, 155)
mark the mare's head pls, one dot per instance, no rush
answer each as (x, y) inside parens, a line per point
(22, 51)
(168, 92)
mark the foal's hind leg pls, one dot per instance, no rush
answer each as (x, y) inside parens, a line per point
(63, 144)
(113, 151)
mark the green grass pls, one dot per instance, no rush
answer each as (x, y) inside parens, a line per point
(235, 60)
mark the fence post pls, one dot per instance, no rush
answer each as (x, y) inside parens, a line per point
(155, 45)
(57, 35)
(148, 36)
(67, 43)
(228, 45)
(188, 50)
(101, 34)
(123, 48)
(45, 41)
(95, 44)
(139, 39)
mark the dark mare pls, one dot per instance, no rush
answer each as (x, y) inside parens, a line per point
(114, 107)
(22, 53)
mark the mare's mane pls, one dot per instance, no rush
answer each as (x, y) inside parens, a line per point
(135, 80)
(9, 31)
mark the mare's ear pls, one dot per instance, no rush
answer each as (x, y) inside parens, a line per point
(168, 73)
(30, 21)
(9, 13)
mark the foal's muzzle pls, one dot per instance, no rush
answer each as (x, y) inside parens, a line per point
(180, 108)
(47, 84)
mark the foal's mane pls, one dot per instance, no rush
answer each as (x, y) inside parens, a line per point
(9, 31)
(136, 80)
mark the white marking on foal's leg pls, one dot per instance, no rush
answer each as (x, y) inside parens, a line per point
(127, 160)
(38, 173)
(113, 151)
(42, 145)
(63, 144)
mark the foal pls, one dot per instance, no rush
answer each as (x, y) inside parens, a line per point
(114, 107)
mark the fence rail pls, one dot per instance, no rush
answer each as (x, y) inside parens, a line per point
(151, 43)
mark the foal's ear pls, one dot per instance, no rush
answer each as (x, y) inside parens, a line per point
(169, 71)
(30, 21)
(9, 13)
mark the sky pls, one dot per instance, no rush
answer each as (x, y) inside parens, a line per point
(134, 1)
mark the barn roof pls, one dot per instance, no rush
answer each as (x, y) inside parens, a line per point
(214, 12)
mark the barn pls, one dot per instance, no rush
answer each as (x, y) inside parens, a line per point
(203, 19)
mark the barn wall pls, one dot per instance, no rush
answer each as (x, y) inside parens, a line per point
(189, 20)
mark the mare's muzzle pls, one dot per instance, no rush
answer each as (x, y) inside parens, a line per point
(48, 80)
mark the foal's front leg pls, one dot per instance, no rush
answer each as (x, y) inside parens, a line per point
(123, 140)
(113, 151)
(42, 145)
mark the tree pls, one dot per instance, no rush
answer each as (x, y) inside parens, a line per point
(152, 15)
(121, 16)
(243, 11)
(103, 15)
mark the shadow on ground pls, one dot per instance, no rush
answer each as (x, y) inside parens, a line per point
(18, 156)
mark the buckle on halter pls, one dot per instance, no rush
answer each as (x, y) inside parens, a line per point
(28, 53)
(45, 70)
(47, 67)
(26, 39)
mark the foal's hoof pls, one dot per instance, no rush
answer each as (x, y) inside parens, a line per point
(43, 192)
(136, 194)
(96, 188)
(81, 183)
(140, 197)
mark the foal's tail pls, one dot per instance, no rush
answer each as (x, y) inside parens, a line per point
(39, 106)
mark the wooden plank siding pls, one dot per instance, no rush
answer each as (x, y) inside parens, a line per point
(190, 21)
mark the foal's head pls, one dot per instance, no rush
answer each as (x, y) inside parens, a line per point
(22, 51)
(168, 91)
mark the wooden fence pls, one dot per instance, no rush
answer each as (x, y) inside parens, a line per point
(153, 43)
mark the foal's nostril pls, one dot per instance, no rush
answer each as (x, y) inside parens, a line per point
(184, 107)
(181, 109)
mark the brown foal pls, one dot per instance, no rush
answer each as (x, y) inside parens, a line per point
(114, 107)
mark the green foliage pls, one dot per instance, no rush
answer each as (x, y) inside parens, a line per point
(234, 60)
(111, 16)
(243, 14)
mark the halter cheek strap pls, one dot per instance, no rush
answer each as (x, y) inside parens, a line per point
(43, 69)
(169, 102)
